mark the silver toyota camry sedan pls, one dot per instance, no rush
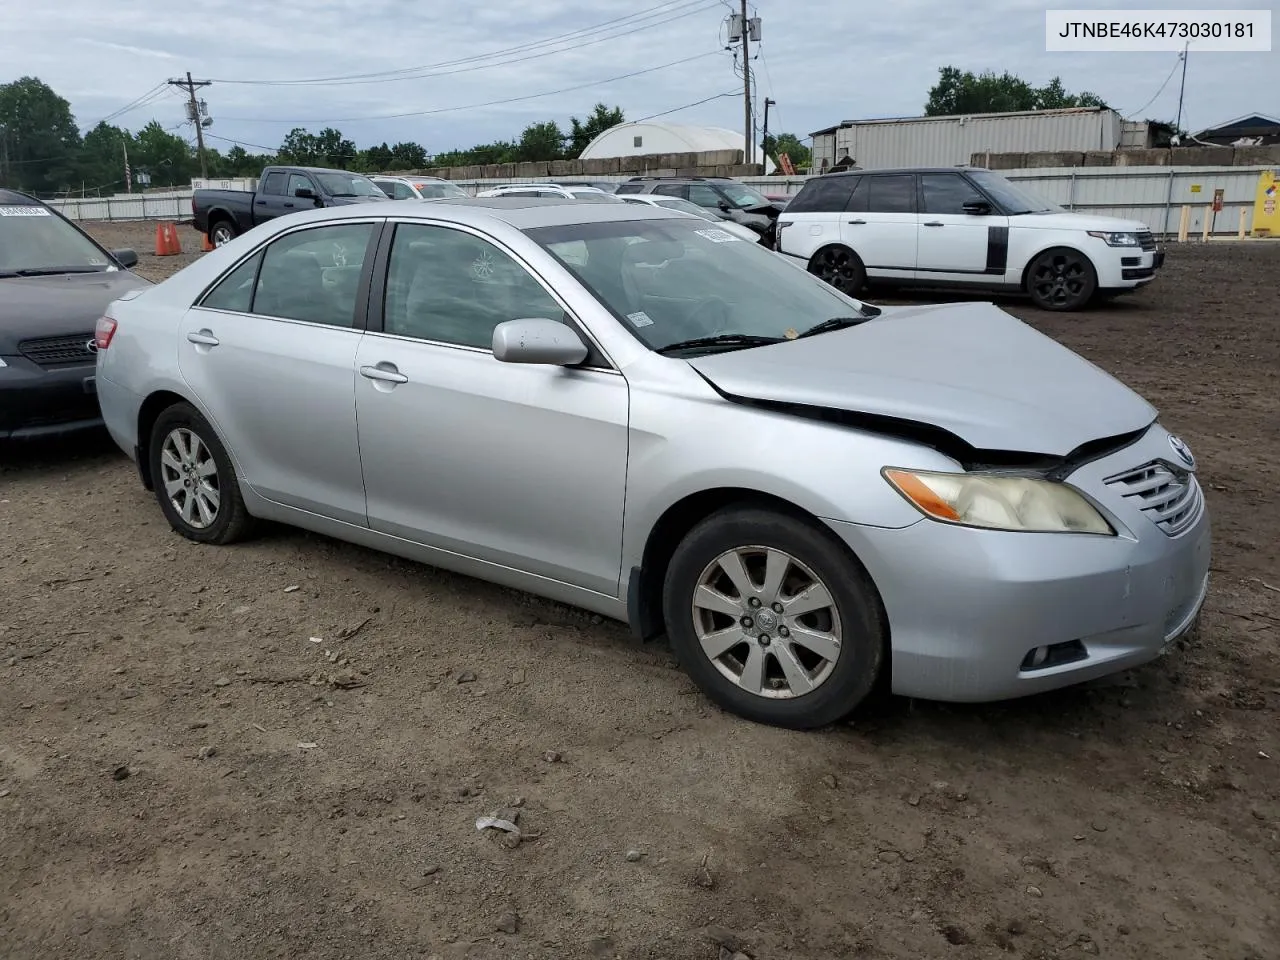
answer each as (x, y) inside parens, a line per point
(630, 410)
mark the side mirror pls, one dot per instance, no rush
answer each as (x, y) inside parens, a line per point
(538, 340)
(305, 193)
(723, 205)
(125, 257)
(978, 208)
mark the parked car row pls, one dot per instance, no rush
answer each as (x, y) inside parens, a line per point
(638, 413)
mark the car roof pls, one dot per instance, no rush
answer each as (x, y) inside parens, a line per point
(959, 168)
(12, 198)
(523, 213)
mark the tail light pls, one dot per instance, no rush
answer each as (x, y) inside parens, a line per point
(103, 332)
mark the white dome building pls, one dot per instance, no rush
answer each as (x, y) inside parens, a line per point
(646, 137)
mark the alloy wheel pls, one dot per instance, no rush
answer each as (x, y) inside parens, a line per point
(221, 234)
(1060, 279)
(838, 268)
(766, 622)
(190, 478)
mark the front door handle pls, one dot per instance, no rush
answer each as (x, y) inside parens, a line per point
(288, 204)
(261, 203)
(933, 223)
(204, 338)
(386, 372)
(858, 222)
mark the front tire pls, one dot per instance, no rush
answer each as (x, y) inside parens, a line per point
(841, 268)
(1061, 280)
(194, 479)
(773, 619)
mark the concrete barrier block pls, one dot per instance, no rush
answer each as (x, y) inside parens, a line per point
(533, 170)
(1154, 157)
(1200, 156)
(565, 168)
(1256, 156)
(1099, 158)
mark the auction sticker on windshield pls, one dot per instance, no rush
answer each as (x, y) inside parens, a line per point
(640, 319)
(23, 212)
(718, 236)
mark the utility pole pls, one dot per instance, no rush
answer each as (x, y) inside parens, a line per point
(194, 114)
(750, 136)
(764, 137)
(1177, 125)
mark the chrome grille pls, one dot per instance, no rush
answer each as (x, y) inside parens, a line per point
(58, 351)
(1146, 240)
(1169, 496)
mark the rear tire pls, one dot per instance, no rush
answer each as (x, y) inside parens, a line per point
(841, 268)
(773, 618)
(1061, 279)
(194, 479)
(222, 231)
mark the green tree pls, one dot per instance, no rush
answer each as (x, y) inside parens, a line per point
(39, 140)
(962, 91)
(376, 159)
(408, 156)
(168, 158)
(541, 141)
(789, 144)
(600, 119)
(102, 156)
(328, 148)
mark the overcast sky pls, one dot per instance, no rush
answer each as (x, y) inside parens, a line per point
(823, 61)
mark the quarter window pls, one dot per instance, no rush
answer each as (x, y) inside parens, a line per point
(314, 275)
(452, 287)
(234, 292)
(947, 193)
(891, 194)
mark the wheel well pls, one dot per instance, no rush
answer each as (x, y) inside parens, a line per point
(152, 407)
(671, 528)
(1026, 271)
(831, 246)
(220, 216)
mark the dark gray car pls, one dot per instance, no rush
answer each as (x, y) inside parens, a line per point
(55, 282)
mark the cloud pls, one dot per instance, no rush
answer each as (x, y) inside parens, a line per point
(822, 61)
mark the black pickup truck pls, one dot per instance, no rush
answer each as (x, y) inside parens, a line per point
(225, 214)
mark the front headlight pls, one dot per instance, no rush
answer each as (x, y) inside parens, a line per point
(994, 502)
(1115, 239)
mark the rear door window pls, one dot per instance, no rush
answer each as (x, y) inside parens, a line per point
(273, 183)
(892, 194)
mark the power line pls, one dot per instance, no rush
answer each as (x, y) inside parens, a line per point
(1130, 116)
(633, 24)
(477, 106)
(696, 103)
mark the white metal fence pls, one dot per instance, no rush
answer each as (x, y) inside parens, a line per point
(1153, 195)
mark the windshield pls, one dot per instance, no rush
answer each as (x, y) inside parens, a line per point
(1013, 198)
(674, 280)
(439, 191)
(685, 206)
(743, 196)
(348, 185)
(34, 239)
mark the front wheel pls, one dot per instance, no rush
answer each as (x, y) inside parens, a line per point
(840, 267)
(1061, 280)
(773, 619)
(222, 232)
(194, 479)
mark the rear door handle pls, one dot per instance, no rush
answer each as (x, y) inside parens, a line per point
(288, 204)
(933, 223)
(386, 372)
(204, 337)
(261, 203)
(859, 222)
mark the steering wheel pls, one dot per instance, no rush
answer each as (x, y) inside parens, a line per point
(712, 311)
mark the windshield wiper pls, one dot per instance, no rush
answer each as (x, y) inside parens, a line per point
(720, 340)
(51, 271)
(840, 323)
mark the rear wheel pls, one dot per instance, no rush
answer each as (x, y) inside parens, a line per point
(773, 618)
(840, 267)
(1061, 279)
(223, 231)
(194, 479)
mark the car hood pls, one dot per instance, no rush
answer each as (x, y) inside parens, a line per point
(969, 369)
(1079, 221)
(58, 306)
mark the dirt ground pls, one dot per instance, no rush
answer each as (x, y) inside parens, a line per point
(184, 773)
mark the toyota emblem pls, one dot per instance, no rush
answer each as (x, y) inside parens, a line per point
(1182, 450)
(92, 346)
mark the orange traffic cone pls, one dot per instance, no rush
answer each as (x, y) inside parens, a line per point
(167, 243)
(175, 245)
(205, 243)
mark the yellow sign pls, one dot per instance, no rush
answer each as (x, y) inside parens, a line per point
(1266, 206)
(1195, 188)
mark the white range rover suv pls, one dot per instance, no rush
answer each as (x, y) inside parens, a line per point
(961, 227)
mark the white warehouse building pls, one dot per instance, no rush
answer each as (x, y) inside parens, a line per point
(648, 137)
(949, 140)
